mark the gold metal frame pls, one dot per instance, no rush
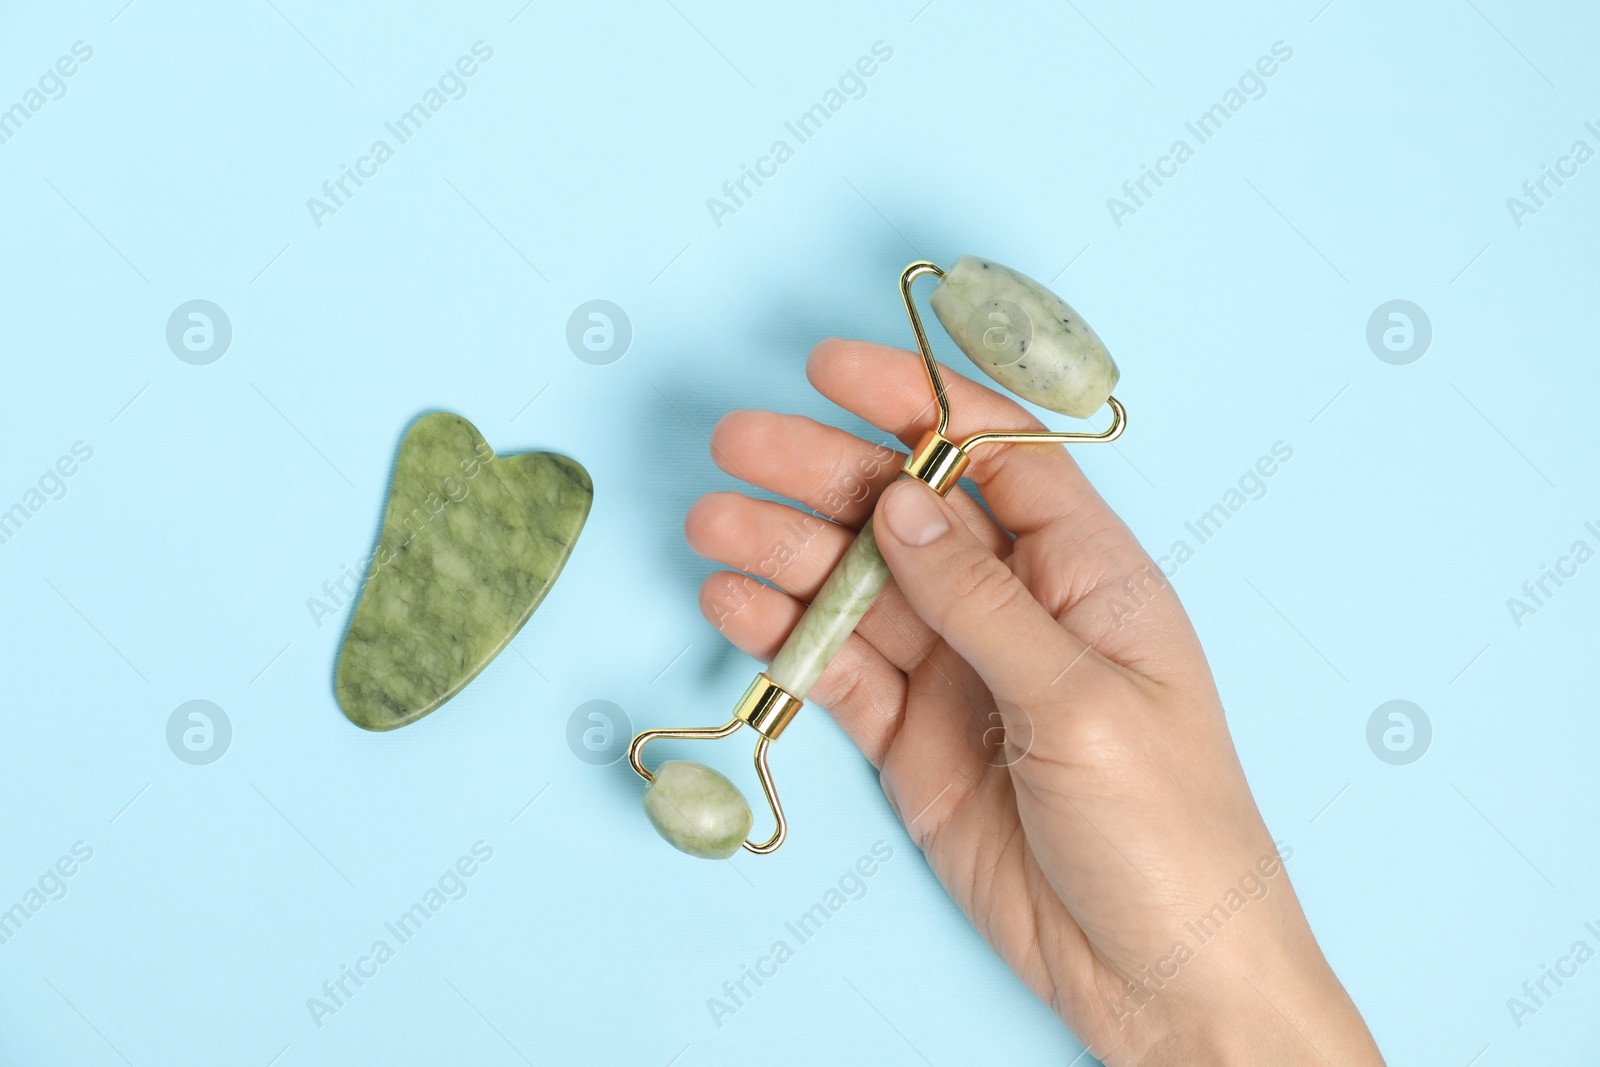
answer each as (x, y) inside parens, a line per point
(767, 707)
(937, 455)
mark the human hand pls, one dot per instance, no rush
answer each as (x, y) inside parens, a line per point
(1110, 850)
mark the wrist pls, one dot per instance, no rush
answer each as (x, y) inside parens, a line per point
(1238, 1010)
(1303, 1021)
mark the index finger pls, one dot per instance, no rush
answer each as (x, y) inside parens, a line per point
(1029, 487)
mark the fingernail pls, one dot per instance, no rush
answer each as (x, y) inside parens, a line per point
(913, 515)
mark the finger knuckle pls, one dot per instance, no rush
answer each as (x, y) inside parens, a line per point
(725, 595)
(1102, 727)
(1093, 739)
(981, 583)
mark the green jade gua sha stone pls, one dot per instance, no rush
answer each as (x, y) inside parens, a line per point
(471, 543)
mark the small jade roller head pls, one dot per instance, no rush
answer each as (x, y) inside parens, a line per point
(1029, 341)
(697, 810)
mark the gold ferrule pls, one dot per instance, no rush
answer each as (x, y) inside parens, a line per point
(767, 707)
(938, 461)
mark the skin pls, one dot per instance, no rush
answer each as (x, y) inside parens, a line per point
(1116, 814)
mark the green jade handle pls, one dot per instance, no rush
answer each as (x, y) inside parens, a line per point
(855, 583)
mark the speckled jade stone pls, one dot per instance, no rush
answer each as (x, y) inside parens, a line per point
(470, 545)
(1025, 337)
(697, 810)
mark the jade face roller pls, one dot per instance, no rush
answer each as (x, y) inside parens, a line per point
(1024, 337)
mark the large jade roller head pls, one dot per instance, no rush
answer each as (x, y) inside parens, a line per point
(1024, 337)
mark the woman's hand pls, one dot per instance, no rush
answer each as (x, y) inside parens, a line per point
(1108, 848)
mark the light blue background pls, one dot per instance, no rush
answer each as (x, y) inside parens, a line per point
(221, 497)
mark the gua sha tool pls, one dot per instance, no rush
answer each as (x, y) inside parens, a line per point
(1029, 341)
(471, 543)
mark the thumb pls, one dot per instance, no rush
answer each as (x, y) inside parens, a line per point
(969, 596)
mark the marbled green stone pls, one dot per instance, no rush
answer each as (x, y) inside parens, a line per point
(470, 545)
(844, 598)
(1024, 336)
(697, 810)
